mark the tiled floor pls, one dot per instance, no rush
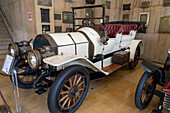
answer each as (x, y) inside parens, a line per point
(110, 94)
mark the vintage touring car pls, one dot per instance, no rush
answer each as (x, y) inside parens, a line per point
(70, 58)
(153, 76)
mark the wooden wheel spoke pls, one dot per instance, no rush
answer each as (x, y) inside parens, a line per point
(22, 78)
(63, 98)
(32, 78)
(145, 87)
(27, 79)
(143, 99)
(70, 81)
(69, 102)
(75, 78)
(23, 68)
(81, 89)
(74, 101)
(80, 83)
(63, 92)
(151, 81)
(66, 86)
(21, 72)
(65, 102)
(78, 80)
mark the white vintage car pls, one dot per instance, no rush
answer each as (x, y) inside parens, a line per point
(70, 58)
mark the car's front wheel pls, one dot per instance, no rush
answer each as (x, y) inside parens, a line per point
(69, 90)
(145, 90)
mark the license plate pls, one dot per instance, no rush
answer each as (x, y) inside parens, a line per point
(8, 64)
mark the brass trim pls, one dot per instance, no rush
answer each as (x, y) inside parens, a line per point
(12, 31)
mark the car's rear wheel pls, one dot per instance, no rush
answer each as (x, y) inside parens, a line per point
(145, 90)
(69, 90)
(25, 75)
(134, 63)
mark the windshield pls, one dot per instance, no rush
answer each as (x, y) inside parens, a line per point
(93, 16)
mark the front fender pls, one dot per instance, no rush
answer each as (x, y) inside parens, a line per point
(155, 70)
(63, 61)
(149, 66)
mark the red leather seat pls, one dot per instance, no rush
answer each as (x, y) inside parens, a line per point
(99, 27)
(128, 27)
(113, 29)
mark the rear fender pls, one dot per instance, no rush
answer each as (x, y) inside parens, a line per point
(133, 46)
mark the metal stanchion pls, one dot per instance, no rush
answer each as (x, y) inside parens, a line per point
(16, 91)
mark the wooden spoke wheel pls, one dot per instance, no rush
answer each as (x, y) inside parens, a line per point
(145, 90)
(25, 75)
(69, 90)
(134, 63)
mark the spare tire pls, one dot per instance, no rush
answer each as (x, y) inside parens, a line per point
(90, 1)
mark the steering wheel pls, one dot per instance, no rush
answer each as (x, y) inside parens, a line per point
(87, 24)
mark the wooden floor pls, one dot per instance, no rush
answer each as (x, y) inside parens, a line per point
(110, 94)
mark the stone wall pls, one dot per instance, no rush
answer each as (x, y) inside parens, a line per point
(16, 12)
(156, 44)
(66, 6)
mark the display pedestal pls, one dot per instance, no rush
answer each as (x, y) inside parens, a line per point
(16, 91)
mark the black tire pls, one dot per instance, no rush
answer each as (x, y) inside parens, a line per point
(19, 63)
(145, 88)
(134, 63)
(61, 80)
(154, 111)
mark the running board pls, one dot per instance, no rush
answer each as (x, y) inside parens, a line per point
(113, 67)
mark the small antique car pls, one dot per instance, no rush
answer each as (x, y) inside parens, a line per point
(154, 75)
(70, 58)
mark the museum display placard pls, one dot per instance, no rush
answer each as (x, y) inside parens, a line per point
(67, 17)
(166, 3)
(126, 7)
(57, 16)
(58, 29)
(164, 26)
(70, 1)
(107, 19)
(69, 29)
(103, 1)
(46, 27)
(89, 13)
(108, 4)
(44, 2)
(8, 64)
(45, 15)
(125, 17)
(90, 1)
(145, 4)
(144, 17)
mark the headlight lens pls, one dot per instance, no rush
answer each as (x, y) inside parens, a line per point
(12, 52)
(34, 59)
(13, 49)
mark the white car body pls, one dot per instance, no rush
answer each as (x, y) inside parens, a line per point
(73, 48)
